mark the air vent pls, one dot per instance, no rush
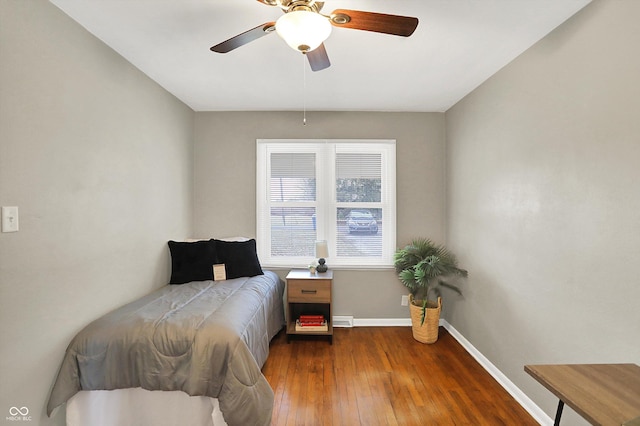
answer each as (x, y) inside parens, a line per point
(343, 321)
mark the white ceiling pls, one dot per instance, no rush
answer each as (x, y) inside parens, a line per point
(458, 44)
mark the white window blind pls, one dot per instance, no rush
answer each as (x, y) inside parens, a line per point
(334, 190)
(358, 196)
(292, 203)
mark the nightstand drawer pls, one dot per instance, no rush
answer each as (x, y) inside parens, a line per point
(309, 291)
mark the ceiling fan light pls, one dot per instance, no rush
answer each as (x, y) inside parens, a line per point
(303, 30)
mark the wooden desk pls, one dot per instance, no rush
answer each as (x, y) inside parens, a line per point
(604, 394)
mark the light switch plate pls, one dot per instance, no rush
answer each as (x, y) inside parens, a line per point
(10, 219)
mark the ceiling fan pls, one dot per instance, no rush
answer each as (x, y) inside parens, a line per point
(305, 29)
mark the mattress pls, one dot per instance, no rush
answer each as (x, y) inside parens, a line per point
(142, 407)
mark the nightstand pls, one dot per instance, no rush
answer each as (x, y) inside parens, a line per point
(309, 294)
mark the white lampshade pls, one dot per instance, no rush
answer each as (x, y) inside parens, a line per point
(322, 249)
(303, 30)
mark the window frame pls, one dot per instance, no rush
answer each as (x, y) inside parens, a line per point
(325, 203)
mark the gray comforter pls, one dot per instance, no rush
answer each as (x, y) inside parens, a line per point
(204, 338)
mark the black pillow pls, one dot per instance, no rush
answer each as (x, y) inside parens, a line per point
(239, 257)
(192, 261)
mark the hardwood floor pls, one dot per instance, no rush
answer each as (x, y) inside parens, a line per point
(382, 376)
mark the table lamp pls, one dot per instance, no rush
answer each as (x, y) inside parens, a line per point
(322, 251)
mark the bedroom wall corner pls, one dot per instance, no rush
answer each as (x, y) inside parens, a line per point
(98, 158)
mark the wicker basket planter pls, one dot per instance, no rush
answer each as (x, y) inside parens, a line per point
(426, 332)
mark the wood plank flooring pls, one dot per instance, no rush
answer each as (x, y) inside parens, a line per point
(382, 376)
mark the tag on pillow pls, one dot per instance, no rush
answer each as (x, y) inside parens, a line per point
(219, 272)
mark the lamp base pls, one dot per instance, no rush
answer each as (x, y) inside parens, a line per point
(321, 265)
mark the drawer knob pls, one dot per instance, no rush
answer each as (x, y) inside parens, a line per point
(308, 291)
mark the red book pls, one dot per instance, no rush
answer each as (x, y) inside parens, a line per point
(313, 320)
(311, 317)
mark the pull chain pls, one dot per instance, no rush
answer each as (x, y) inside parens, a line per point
(304, 91)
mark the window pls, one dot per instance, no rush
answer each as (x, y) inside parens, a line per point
(342, 191)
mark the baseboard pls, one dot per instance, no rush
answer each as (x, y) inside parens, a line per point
(532, 408)
(381, 322)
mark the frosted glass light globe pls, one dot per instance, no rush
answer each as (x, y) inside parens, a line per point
(303, 30)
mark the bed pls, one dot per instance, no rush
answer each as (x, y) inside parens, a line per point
(192, 348)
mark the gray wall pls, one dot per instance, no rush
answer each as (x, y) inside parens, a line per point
(543, 203)
(99, 161)
(225, 205)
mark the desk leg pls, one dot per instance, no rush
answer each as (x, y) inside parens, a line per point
(558, 413)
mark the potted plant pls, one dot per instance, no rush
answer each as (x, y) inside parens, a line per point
(424, 267)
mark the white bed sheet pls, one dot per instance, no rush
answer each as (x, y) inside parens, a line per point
(140, 407)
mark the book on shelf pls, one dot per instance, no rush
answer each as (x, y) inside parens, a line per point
(311, 320)
(308, 317)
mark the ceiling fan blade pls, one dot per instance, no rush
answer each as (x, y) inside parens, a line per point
(269, 2)
(376, 22)
(244, 38)
(318, 59)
